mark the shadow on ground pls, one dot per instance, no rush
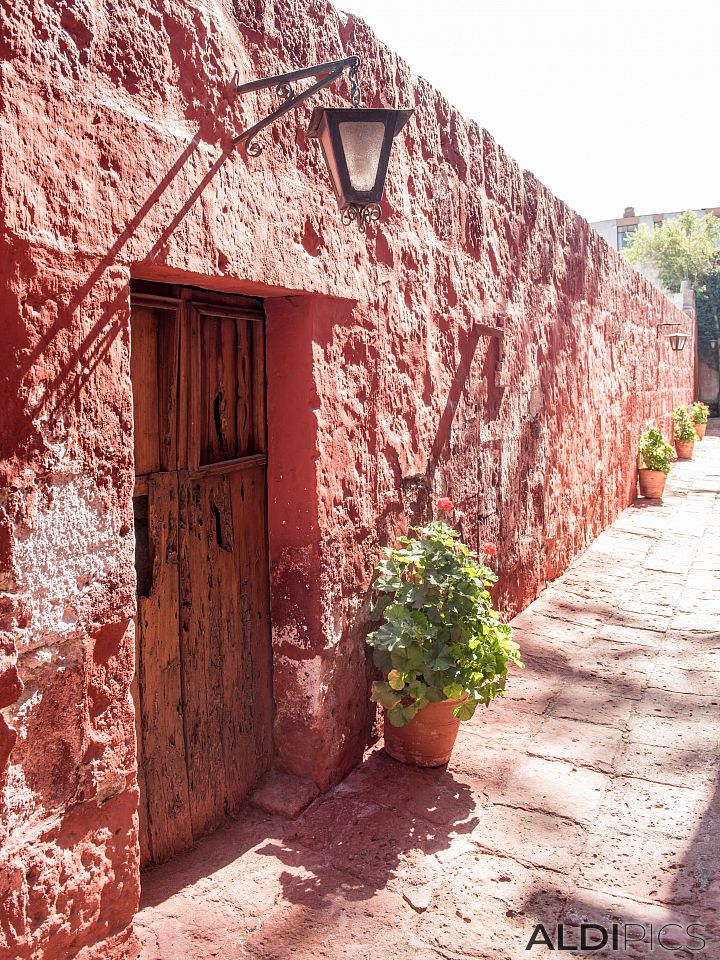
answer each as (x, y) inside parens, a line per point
(590, 795)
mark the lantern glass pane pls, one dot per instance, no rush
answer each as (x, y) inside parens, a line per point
(326, 141)
(362, 143)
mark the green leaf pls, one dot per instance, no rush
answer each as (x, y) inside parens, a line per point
(396, 716)
(466, 710)
(382, 660)
(415, 594)
(453, 691)
(384, 695)
(417, 689)
(410, 711)
(396, 680)
(379, 607)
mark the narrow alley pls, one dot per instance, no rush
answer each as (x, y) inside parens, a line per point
(589, 795)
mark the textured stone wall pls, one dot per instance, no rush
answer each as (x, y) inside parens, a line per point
(382, 391)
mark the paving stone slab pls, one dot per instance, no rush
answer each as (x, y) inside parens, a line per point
(635, 919)
(533, 688)
(555, 787)
(703, 647)
(697, 620)
(439, 796)
(695, 734)
(628, 666)
(582, 744)
(682, 707)
(485, 907)
(572, 609)
(621, 864)
(703, 601)
(642, 635)
(677, 767)
(631, 805)
(669, 562)
(619, 546)
(703, 580)
(669, 676)
(554, 631)
(597, 702)
(502, 725)
(653, 620)
(531, 837)
(483, 764)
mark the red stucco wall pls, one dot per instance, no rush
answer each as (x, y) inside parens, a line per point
(381, 392)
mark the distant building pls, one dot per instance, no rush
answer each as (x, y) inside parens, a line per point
(618, 233)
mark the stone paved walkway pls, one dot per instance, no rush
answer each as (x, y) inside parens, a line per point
(590, 793)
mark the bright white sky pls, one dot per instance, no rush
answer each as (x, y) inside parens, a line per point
(611, 103)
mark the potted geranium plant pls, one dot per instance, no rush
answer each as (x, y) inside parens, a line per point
(441, 648)
(654, 457)
(683, 433)
(699, 413)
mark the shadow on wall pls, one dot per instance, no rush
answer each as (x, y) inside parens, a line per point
(418, 491)
(324, 537)
(73, 373)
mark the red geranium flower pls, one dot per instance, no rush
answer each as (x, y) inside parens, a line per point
(445, 503)
(489, 550)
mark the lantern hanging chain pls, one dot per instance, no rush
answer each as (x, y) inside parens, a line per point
(354, 84)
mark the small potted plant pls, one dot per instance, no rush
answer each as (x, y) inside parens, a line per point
(441, 648)
(699, 413)
(683, 433)
(654, 457)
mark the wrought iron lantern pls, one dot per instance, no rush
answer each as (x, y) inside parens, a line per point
(355, 141)
(356, 144)
(677, 340)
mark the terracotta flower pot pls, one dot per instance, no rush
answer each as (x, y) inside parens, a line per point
(652, 483)
(700, 429)
(429, 738)
(684, 449)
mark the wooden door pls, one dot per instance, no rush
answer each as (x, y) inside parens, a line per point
(203, 683)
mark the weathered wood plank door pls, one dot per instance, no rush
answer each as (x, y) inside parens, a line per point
(203, 683)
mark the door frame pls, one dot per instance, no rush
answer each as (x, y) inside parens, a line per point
(183, 446)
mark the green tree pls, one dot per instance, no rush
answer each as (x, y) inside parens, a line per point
(687, 248)
(707, 303)
(682, 249)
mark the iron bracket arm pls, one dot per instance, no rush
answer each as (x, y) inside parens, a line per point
(283, 83)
